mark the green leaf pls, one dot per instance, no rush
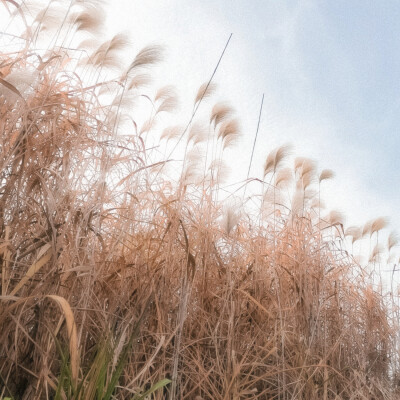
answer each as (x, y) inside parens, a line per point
(125, 353)
(158, 385)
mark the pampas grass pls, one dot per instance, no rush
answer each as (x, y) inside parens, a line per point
(119, 281)
(326, 174)
(205, 90)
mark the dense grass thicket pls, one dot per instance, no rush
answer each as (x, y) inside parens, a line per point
(124, 271)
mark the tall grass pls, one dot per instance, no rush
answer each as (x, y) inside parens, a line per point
(122, 270)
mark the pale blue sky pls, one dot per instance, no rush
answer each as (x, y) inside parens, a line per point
(341, 58)
(330, 71)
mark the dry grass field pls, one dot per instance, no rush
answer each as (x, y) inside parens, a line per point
(126, 275)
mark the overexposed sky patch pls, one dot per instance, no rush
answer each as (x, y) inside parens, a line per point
(329, 71)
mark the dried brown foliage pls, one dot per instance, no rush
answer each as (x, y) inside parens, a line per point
(249, 305)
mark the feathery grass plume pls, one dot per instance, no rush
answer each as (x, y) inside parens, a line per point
(229, 132)
(219, 170)
(297, 202)
(88, 46)
(306, 170)
(220, 112)
(49, 17)
(148, 125)
(317, 203)
(172, 132)
(147, 57)
(303, 165)
(269, 163)
(165, 92)
(355, 232)
(326, 174)
(298, 163)
(139, 80)
(308, 167)
(167, 99)
(124, 101)
(307, 178)
(276, 157)
(378, 224)
(230, 141)
(310, 194)
(228, 128)
(205, 90)
(367, 228)
(376, 252)
(168, 104)
(284, 177)
(197, 133)
(230, 218)
(335, 218)
(191, 174)
(107, 55)
(194, 155)
(193, 166)
(393, 240)
(112, 88)
(281, 153)
(90, 19)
